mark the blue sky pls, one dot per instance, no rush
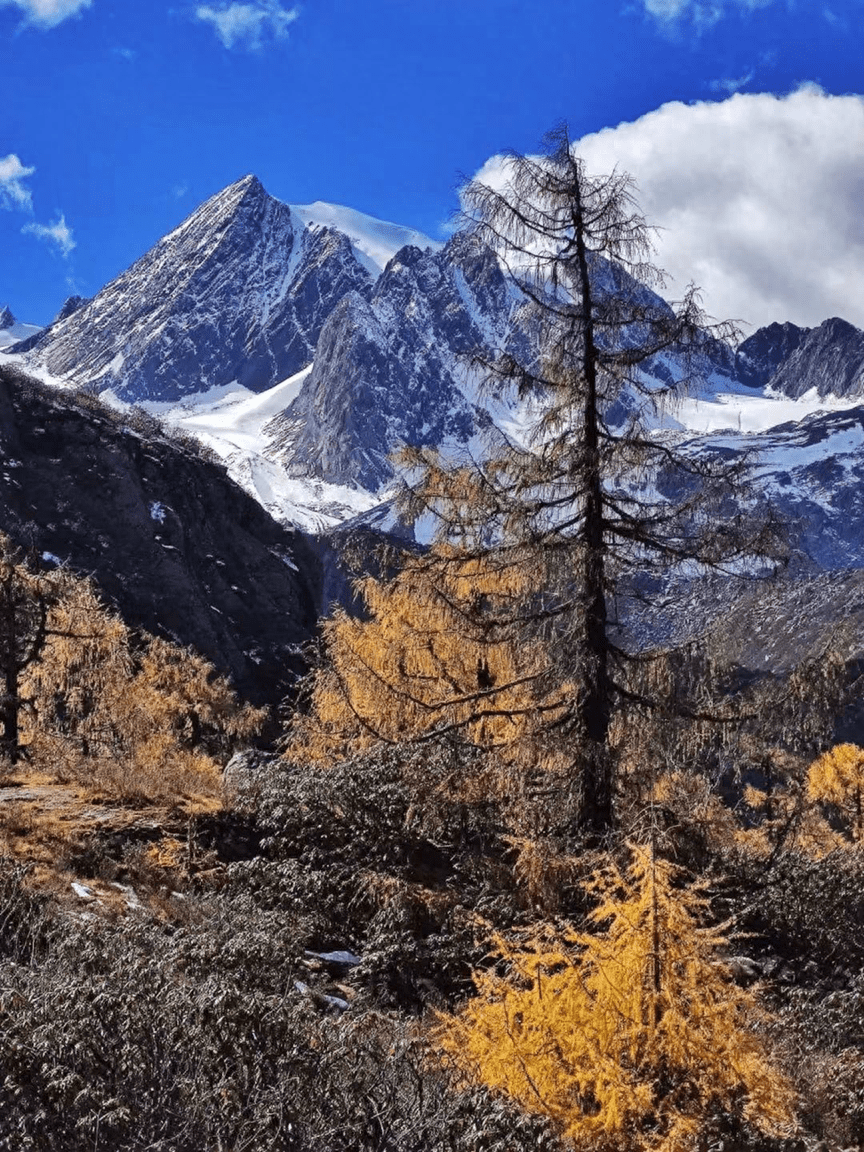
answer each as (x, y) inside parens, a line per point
(120, 116)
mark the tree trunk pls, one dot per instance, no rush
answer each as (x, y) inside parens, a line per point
(9, 715)
(595, 700)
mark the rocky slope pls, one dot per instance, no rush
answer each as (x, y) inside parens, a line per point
(238, 293)
(829, 359)
(179, 548)
(759, 356)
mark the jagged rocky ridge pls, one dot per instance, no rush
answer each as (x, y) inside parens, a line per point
(388, 369)
(829, 359)
(12, 332)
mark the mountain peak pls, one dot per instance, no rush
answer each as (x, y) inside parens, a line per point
(236, 294)
(830, 359)
(7, 320)
(245, 185)
(70, 304)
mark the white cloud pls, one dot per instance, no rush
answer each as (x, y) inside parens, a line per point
(48, 13)
(759, 200)
(703, 13)
(58, 233)
(13, 194)
(247, 25)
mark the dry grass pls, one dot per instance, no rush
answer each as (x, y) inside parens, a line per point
(70, 831)
(150, 775)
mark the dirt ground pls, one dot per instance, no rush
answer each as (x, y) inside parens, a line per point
(89, 848)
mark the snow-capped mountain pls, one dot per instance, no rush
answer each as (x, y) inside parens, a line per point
(812, 471)
(248, 292)
(237, 294)
(304, 344)
(11, 331)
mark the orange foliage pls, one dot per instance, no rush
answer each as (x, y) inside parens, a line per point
(838, 778)
(435, 655)
(630, 1037)
(137, 714)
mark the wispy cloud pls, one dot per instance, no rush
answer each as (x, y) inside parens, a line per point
(701, 13)
(732, 84)
(248, 25)
(13, 193)
(128, 54)
(48, 13)
(840, 23)
(59, 233)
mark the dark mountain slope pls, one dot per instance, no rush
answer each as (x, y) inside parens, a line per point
(760, 355)
(177, 545)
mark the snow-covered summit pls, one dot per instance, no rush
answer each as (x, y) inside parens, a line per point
(11, 330)
(375, 242)
(238, 292)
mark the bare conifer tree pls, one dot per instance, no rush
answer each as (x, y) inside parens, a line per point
(535, 542)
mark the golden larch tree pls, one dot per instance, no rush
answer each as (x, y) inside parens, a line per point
(507, 627)
(631, 1036)
(127, 710)
(424, 663)
(837, 777)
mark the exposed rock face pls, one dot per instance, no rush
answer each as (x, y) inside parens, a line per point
(394, 370)
(760, 355)
(178, 546)
(40, 336)
(7, 320)
(239, 291)
(70, 304)
(251, 290)
(405, 366)
(830, 359)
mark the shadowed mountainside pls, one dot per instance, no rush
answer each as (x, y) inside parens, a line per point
(166, 534)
